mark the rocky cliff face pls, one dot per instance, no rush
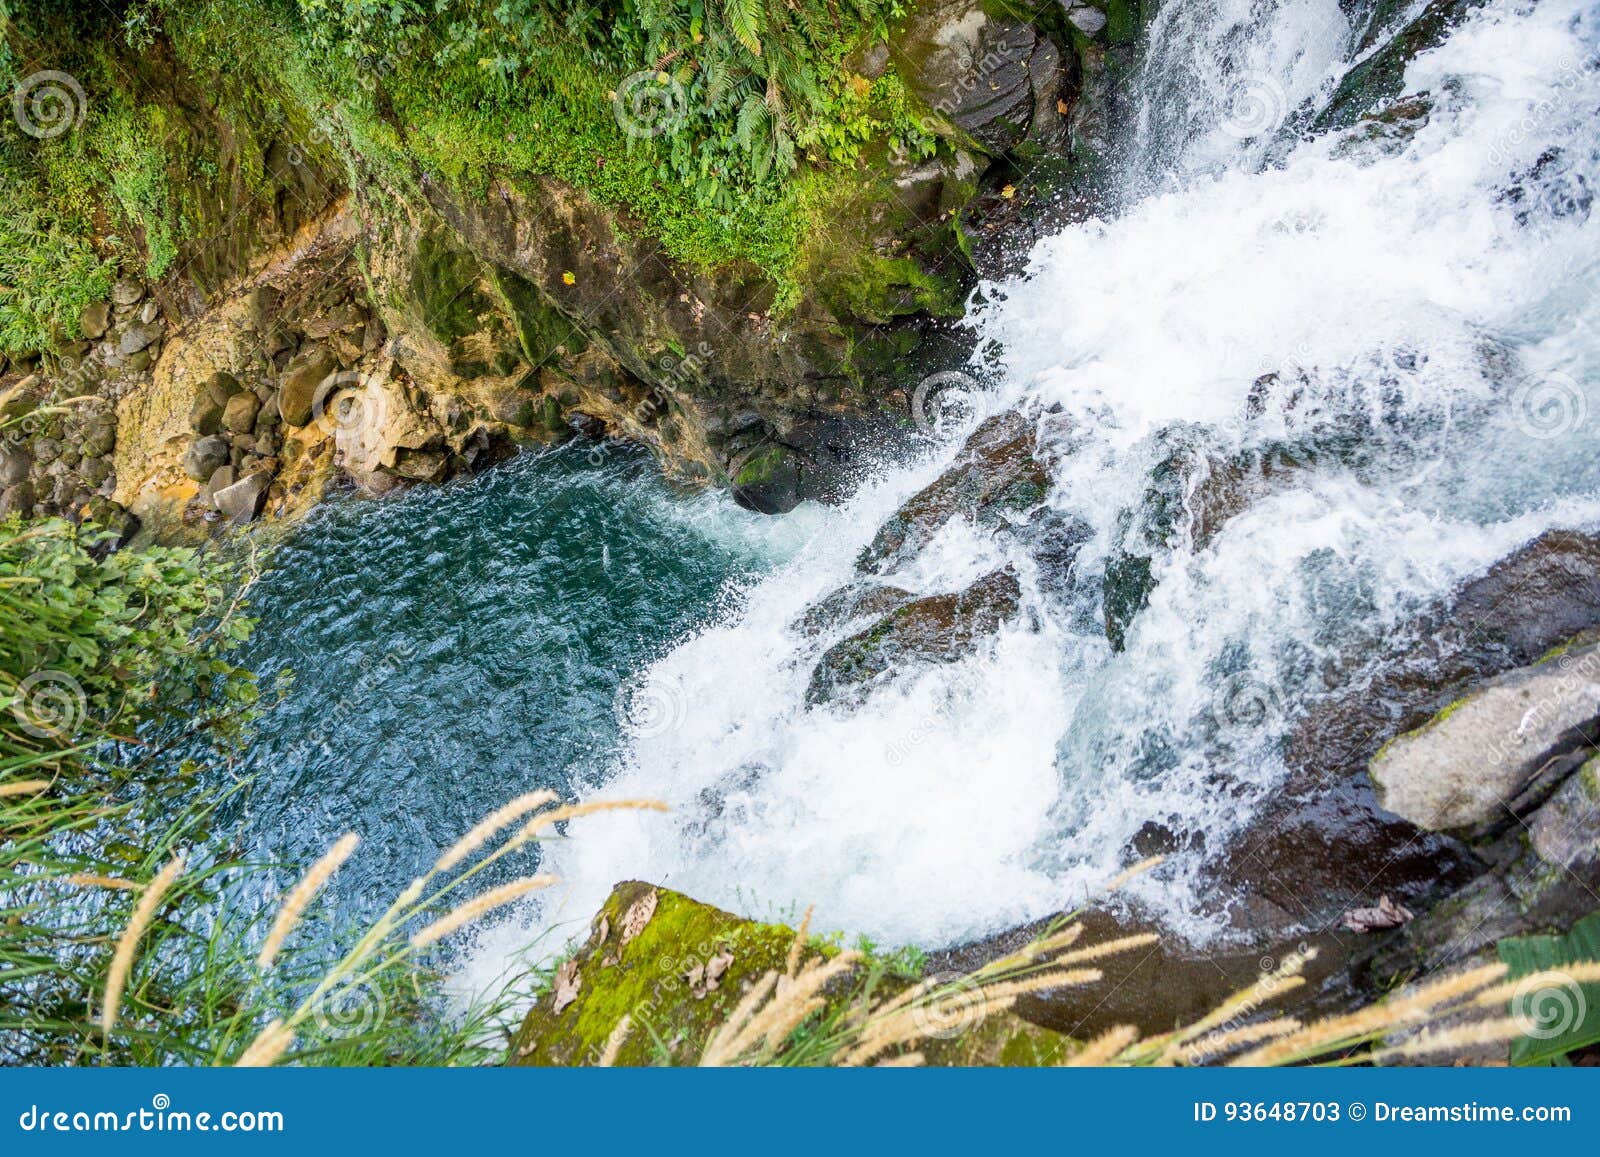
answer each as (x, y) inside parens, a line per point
(415, 326)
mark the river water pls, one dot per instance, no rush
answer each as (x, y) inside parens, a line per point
(1419, 301)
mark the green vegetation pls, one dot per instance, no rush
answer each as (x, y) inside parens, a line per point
(694, 116)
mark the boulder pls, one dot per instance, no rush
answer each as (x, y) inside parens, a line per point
(976, 71)
(1482, 759)
(1540, 597)
(95, 320)
(240, 413)
(221, 478)
(138, 337)
(242, 501)
(769, 480)
(127, 292)
(679, 968)
(642, 953)
(15, 464)
(99, 435)
(205, 416)
(205, 456)
(935, 629)
(997, 476)
(18, 498)
(301, 379)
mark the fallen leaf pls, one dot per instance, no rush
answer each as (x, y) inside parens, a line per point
(1009, 192)
(1386, 915)
(567, 984)
(704, 978)
(638, 915)
(569, 277)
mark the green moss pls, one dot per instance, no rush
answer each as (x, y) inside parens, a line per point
(646, 979)
(444, 278)
(760, 467)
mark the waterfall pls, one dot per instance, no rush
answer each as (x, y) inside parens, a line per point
(1407, 304)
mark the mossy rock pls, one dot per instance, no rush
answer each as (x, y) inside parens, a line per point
(647, 956)
(444, 278)
(647, 976)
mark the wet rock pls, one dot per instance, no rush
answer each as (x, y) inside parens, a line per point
(242, 501)
(240, 412)
(857, 601)
(977, 71)
(1087, 20)
(205, 456)
(769, 480)
(1540, 597)
(1472, 763)
(95, 320)
(1156, 987)
(1381, 75)
(933, 629)
(997, 476)
(127, 292)
(1543, 875)
(301, 379)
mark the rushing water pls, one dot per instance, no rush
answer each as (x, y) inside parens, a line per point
(1423, 296)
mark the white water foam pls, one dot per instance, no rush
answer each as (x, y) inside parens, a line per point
(1437, 291)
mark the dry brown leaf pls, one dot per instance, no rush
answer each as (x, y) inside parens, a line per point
(638, 915)
(567, 984)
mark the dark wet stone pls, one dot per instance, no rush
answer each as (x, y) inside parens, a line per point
(934, 629)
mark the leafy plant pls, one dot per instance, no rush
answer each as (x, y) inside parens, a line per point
(1558, 1014)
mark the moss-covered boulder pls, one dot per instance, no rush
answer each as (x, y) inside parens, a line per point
(675, 966)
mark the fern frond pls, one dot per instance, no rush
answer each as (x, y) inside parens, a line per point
(746, 20)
